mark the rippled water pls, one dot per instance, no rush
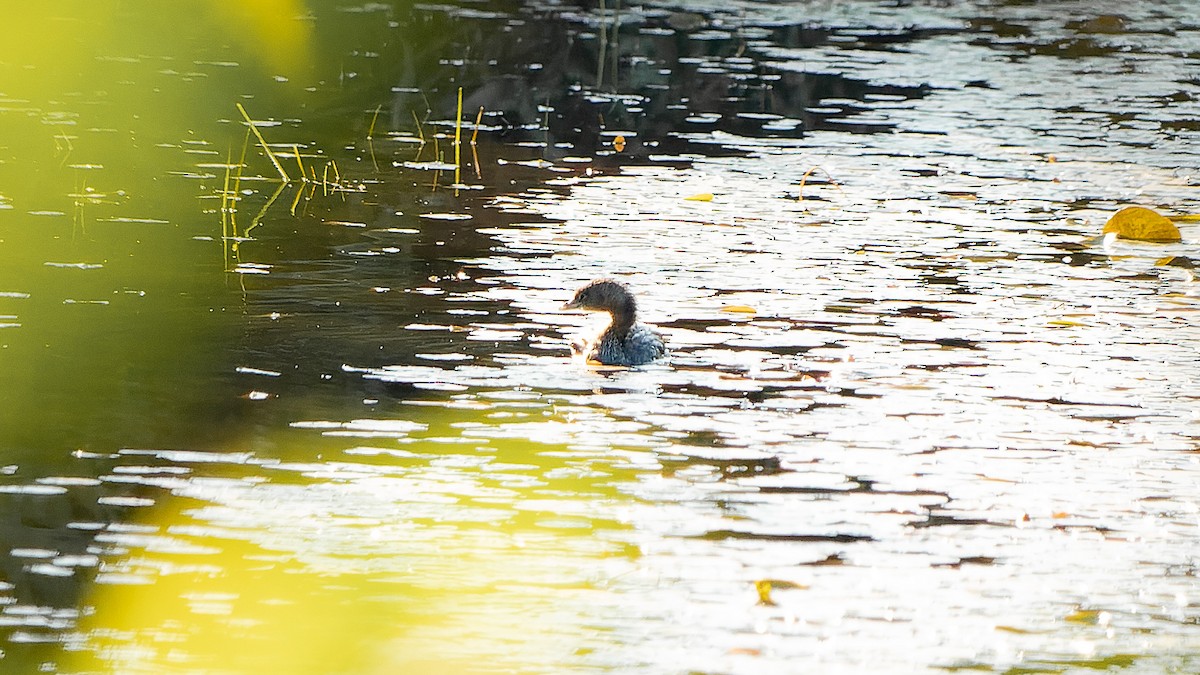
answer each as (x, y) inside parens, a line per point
(916, 416)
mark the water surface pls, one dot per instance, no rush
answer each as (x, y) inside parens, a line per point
(916, 416)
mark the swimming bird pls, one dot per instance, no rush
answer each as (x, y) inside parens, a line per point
(625, 341)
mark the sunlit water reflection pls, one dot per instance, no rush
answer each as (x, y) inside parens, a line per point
(915, 416)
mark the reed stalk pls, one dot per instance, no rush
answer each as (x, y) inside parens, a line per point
(458, 140)
(263, 143)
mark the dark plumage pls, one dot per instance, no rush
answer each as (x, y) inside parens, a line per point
(625, 341)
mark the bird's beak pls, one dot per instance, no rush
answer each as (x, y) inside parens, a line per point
(569, 305)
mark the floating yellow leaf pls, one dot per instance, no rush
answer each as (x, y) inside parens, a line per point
(1089, 616)
(764, 592)
(1176, 261)
(1066, 322)
(1138, 222)
(700, 197)
(619, 144)
(739, 309)
(764, 587)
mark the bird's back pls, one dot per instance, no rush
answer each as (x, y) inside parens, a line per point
(639, 346)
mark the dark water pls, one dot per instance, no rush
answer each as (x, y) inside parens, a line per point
(916, 417)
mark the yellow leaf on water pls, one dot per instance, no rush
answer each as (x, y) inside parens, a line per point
(1089, 616)
(700, 197)
(1066, 322)
(739, 309)
(1139, 222)
(765, 586)
(1177, 261)
(764, 592)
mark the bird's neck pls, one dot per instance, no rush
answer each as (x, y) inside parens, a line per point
(623, 318)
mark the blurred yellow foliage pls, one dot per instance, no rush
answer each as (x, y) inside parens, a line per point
(277, 31)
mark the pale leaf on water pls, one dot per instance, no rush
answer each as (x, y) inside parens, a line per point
(1143, 224)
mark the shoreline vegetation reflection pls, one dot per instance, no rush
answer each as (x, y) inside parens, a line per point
(288, 387)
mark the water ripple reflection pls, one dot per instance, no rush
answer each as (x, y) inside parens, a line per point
(915, 416)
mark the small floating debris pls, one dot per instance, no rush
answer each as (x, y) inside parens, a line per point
(533, 163)
(247, 370)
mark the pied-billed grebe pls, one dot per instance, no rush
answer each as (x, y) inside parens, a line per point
(624, 342)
